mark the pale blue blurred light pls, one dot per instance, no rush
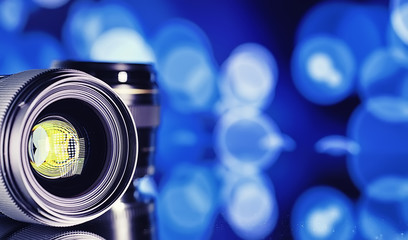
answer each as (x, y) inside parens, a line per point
(51, 4)
(388, 108)
(188, 78)
(323, 213)
(249, 205)
(323, 69)
(187, 69)
(399, 18)
(323, 18)
(384, 72)
(14, 14)
(248, 77)
(363, 28)
(121, 45)
(383, 218)
(12, 61)
(383, 149)
(146, 188)
(180, 138)
(248, 141)
(30, 50)
(40, 49)
(187, 203)
(180, 32)
(388, 188)
(88, 20)
(336, 145)
(397, 46)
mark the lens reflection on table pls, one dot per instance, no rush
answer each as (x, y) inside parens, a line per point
(132, 217)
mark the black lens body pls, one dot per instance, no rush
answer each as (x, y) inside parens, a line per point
(136, 85)
(132, 220)
(104, 124)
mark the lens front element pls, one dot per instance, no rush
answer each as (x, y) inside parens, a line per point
(56, 150)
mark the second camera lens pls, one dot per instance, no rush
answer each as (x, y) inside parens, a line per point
(136, 85)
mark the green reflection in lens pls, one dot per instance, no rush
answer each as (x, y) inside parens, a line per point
(56, 150)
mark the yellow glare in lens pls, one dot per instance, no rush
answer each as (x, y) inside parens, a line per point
(56, 150)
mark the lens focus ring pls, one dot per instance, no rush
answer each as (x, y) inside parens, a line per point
(9, 88)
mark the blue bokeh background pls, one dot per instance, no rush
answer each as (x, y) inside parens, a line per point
(280, 119)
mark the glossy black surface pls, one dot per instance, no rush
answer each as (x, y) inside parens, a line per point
(130, 218)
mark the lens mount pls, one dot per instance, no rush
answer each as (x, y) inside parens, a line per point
(110, 154)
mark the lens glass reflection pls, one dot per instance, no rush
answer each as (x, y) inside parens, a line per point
(55, 149)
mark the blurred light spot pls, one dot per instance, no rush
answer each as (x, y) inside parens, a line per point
(323, 18)
(88, 20)
(247, 140)
(388, 188)
(51, 3)
(289, 143)
(40, 49)
(383, 73)
(321, 222)
(13, 14)
(383, 149)
(320, 68)
(31, 50)
(145, 188)
(121, 45)
(336, 145)
(248, 77)
(187, 203)
(250, 207)
(382, 218)
(392, 109)
(323, 70)
(180, 138)
(185, 61)
(396, 44)
(185, 137)
(399, 18)
(323, 213)
(362, 27)
(177, 33)
(12, 60)
(188, 78)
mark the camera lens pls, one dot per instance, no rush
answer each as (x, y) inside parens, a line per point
(136, 85)
(68, 144)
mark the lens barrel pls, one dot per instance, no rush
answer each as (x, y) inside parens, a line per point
(71, 123)
(136, 85)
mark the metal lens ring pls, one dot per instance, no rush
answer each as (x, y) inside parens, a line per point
(98, 116)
